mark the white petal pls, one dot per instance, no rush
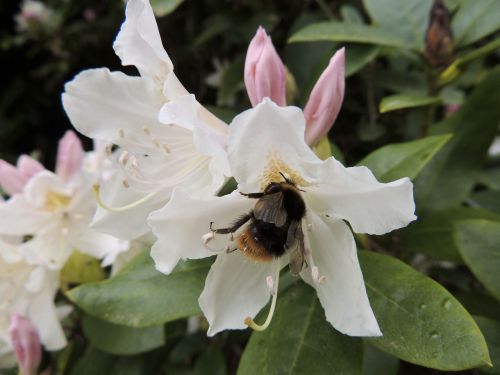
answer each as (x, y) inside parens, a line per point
(49, 247)
(17, 217)
(235, 288)
(342, 294)
(42, 312)
(139, 43)
(355, 195)
(265, 133)
(99, 103)
(96, 244)
(180, 225)
(127, 224)
(44, 183)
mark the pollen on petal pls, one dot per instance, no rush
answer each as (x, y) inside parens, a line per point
(275, 170)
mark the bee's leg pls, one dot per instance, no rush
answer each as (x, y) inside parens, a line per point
(253, 195)
(233, 228)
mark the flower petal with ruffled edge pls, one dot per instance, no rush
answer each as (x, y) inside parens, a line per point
(180, 225)
(235, 288)
(342, 293)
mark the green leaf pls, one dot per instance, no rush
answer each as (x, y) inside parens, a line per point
(474, 20)
(402, 101)
(433, 235)
(357, 56)
(95, 362)
(122, 340)
(491, 332)
(487, 199)
(421, 321)
(406, 159)
(490, 178)
(81, 268)
(478, 242)
(164, 7)
(300, 341)
(407, 19)
(478, 303)
(140, 296)
(377, 362)
(347, 32)
(447, 180)
(211, 362)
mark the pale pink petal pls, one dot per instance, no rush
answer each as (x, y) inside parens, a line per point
(325, 99)
(69, 155)
(265, 74)
(26, 343)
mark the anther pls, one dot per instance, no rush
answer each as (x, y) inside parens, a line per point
(107, 150)
(317, 278)
(166, 148)
(207, 237)
(155, 142)
(121, 133)
(125, 183)
(309, 227)
(270, 284)
(123, 159)
(146, 130)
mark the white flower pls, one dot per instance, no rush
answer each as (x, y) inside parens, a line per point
(28, 290)
(53, 210)
(166, 137)
(266, 143)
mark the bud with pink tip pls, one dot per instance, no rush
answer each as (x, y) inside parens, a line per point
(69, 155)
(325, 99)
(265, 73)
(13, 179)
(26, 343)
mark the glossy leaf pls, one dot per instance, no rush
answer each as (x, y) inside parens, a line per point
(140, 296)
(402, 101)
(422, 322)
(447, 180)
(347, 32)
(81, 268)
(407, 19)
(406, 159)
(122, 340)
(357, 56)
(478, 242)
(377, 362)
(487, 199)
(300, 341)
(433, 235)
(491, 331)
(164, 7)
(474, 20)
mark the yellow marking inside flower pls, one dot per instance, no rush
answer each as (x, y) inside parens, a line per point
(55, 200)
(275, 167)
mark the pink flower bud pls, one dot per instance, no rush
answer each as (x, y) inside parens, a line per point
(325, 99)
(69, 155)
(13, 179)
(265, 74)
(26, 343)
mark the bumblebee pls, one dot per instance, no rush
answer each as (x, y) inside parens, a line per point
(274, 225)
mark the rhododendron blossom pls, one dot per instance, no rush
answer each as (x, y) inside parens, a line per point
(266, 145)
(165, 137)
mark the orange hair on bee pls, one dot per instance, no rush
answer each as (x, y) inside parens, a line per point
(252, 248)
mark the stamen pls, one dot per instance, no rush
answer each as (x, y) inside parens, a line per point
(207, 237)
(96, 188)
(125, 183)
(123, 159)
(166, 148)
(146, 130)
(107, 150)
(155, 142)
(270, 284)
(121, 133)
(319, 279)
(309, 227)
(250, 322)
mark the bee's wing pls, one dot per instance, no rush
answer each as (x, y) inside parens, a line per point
(295, 241)
(270, 209)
